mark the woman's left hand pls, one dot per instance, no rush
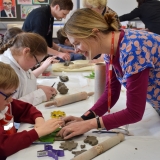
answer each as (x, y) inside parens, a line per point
(77, 128)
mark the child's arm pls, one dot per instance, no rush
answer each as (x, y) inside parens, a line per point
(44, 66)
(10, 144)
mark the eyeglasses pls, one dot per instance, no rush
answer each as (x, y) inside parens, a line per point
(7, 96)
(38, 63)
(5, 4)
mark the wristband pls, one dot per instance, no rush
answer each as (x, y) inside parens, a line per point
(88, 115)
(98, 123)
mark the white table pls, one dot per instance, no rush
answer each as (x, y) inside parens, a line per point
(143, 145)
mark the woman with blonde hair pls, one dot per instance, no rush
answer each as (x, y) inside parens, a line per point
(132, 60)
(100, 6)
(23, 52)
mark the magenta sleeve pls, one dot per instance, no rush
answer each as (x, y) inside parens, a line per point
(137, 86)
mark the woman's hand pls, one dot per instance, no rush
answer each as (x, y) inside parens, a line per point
(71, 119)
(49, 91)
(77, 128)
(48, 127)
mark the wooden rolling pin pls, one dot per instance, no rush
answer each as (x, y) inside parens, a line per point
(67, 99)
(100, 148)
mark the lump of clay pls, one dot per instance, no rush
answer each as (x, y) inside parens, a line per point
(62, 88)
(76, 153)
(67, 63)
(92, 140)
(68, 145)
(83, 146)
(64, 78)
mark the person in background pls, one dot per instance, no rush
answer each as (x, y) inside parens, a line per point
(12, 110)
(9, 10)
(100, 6)
(40, 20)
(132, 60)
(23, 52)
(149, 13)
(65, 43)
(11, 33)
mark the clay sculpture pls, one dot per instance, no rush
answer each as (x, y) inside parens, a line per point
(76, 153)
(68, 145)
(67, 63)
(64, 78)
(92, 140)
(62, 88)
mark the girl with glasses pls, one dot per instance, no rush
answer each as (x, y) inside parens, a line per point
(23, 52)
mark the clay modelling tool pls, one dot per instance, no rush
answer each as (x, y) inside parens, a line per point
(53, 84)
(67, 99)
(100, 148)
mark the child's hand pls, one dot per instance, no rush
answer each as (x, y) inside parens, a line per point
(49, 91)
(49, 61)
(48, 127)
(39, 121)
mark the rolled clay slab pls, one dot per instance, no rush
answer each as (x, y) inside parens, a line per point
(100, 80)
(100, 148)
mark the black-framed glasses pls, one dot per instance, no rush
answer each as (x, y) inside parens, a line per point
(38, 63)
(7, 96)
(7, 4)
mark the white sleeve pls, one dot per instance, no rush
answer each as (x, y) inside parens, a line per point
(36, 97)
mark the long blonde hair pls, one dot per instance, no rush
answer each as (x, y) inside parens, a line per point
(83, 21)
(100, 4)
(8, 78)
(35, 42)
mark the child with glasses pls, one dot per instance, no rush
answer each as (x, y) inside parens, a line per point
(23, 52)
(12, 110)
(39, 67)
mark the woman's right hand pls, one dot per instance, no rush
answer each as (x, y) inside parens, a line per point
(48, 127)
(49, 91)
(71, 119)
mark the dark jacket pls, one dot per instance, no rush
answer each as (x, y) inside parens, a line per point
(3, 13)
(149, 14)
(40, 21)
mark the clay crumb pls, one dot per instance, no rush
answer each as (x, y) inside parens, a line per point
(76, 153)
(83, 146)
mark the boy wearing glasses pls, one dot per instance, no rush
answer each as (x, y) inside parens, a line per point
(12, 110)
(8, 9)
